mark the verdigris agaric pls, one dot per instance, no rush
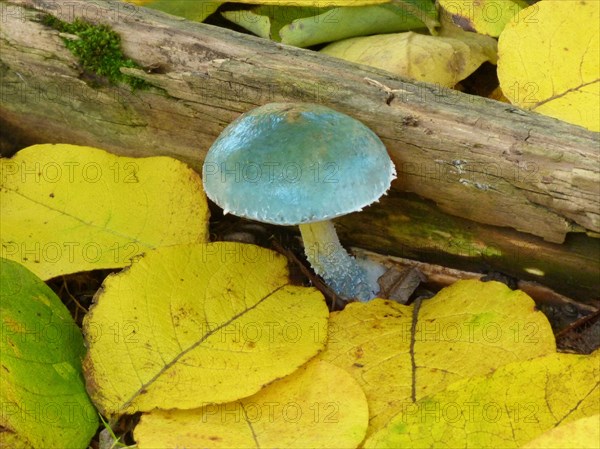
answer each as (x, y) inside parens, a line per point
(302, 164)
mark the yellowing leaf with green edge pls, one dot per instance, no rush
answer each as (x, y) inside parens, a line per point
(467, 329)
(197, 10)
(42, 393)
(318, 406)
(194, 324)
(68, 208)
(306, 26)
(508, 408)
(443, 60)
(549, 58)
(583, 433)
(482, 16)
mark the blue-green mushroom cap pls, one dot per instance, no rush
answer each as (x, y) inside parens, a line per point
(294, 163)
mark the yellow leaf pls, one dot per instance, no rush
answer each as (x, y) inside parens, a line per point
(68, 208)
(194, 324)
(583, 433)
(443, 60)
(482, 16)
(549, 60)
(318, 406)
(505, 409)
(467, 329)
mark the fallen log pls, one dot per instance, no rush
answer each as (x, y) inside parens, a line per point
(498, 173)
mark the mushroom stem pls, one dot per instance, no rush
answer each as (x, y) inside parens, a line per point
(331, 261)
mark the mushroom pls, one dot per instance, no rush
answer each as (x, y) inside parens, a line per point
(302, 164)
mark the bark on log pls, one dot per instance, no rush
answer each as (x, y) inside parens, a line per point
(409, 227)
(484, 161)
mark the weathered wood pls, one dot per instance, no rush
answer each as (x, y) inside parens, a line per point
(419, 231)
(478, 159)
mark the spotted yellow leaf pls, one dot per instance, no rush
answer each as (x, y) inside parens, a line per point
(68, 208)
(507, 408)
(549, 60)
(318, 406)
(193, 324)
(467, 329)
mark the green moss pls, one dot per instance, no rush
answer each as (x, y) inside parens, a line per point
(98, 49)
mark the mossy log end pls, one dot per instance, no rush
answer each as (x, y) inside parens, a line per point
(485, 165)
